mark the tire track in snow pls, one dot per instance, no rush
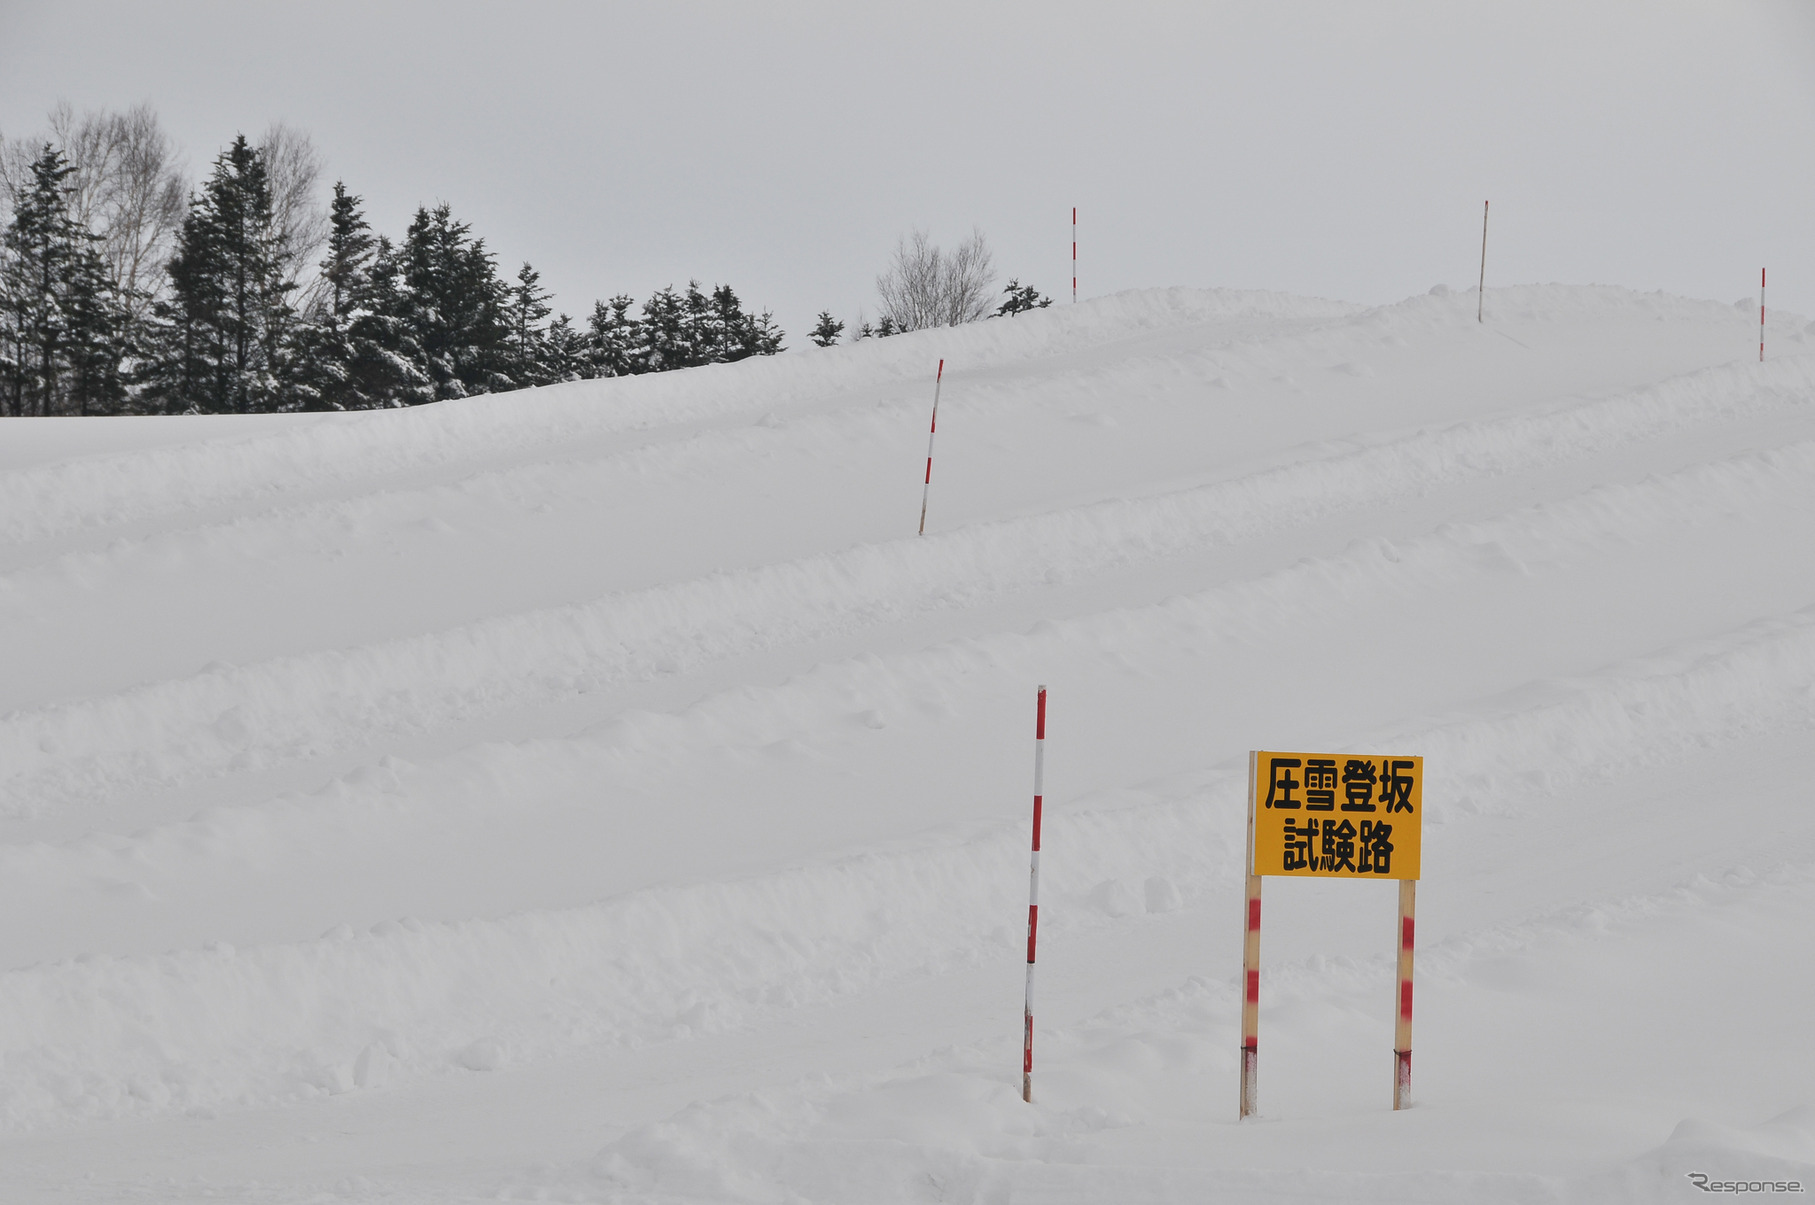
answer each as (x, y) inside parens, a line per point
(44, 501)
(306, 706)
(105, 1036)
(447, 442)
(1149, 1061)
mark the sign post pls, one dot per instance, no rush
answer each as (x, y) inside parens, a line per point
(1402, 1025)
(1333, 816)
(1251, 964)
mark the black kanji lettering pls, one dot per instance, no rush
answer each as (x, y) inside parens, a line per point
(1281, 784)
(1320, 784)
(1395, 785)
(1298, 843)
(1358, 785)
(1338, 849)
(1376, 847)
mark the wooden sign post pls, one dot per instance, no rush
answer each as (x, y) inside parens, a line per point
(1250, 964)
(1402, 1025)
(1333, 816)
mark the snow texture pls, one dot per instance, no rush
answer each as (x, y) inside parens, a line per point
(600, 793)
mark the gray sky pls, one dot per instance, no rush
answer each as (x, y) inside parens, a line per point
(1340, 149)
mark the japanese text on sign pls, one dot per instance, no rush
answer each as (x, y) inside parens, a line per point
(1337, 815)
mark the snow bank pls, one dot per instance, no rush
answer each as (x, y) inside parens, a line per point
(672, 841)
(306, 706)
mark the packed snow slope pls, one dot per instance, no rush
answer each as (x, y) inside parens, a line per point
(601, 793)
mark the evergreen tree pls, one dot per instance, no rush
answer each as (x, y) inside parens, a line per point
(727, 330)
(35, 265)
(827, 332)
(62, 329)
(612, 335)
(453, 306)
(663, 338)
(223, 343)
(703, 337)
(345, 273)
(737, 335)
(391, 359)
(98, 326)
(1021, 298)
(348, 356)
(565, 352)
(765, 337)
(527, 343)
(325, 378)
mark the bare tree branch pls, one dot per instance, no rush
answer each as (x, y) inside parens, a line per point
(16, 155)
(967, 281)
(294, 168)
(926, 287)
(129, 187)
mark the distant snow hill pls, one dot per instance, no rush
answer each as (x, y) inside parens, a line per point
(601, 793)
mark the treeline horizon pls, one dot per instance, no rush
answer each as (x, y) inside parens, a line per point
(125, 290)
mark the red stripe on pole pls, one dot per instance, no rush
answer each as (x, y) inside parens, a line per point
(1405, 998)
(926, 487)
(1253, 914)
(1033, 896)
(1405, 935)
(1254, 985)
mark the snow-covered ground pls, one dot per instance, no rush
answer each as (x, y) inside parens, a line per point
(600, 793)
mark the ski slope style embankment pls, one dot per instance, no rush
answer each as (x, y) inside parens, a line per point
(601, 793)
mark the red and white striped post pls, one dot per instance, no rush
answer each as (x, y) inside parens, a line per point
(1251, 965)
(1033, 900)
(1074, 255)
(1761, 315)
(1402, 1027)
(932, 431)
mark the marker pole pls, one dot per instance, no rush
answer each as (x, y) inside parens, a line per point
(1402, 1027)
(932, 431)
(1250, 963)
(1074, 255)
(1761, 315)
(1481, 288)
(1033, 900)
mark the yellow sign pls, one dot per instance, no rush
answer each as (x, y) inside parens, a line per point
(1335, 815)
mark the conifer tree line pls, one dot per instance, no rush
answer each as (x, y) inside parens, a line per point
(122, 290)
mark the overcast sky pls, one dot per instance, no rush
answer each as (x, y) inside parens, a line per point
(1339, 149)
